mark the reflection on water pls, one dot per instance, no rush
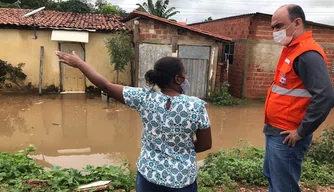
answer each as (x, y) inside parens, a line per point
(74, 130)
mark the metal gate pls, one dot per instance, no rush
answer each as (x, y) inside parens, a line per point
(196, 62)
(148, 55)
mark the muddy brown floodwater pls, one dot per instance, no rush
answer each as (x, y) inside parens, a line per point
(74, 130)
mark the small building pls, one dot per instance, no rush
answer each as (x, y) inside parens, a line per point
(253, 55)
(33, 41)
(156, 37)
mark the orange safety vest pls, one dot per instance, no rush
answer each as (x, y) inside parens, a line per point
(287, 98)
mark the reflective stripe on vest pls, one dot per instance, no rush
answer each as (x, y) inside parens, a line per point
(290, 92)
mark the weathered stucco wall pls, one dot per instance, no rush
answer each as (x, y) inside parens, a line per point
(97, 56)
(262, 59)
(18, 46)
(264, 54)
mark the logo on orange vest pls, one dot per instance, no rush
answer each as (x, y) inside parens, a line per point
(287, 61)
(283, 79)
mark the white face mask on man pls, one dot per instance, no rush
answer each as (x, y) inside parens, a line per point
(281, 38)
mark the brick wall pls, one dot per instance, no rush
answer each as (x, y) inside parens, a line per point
(330, 56)
(236, 28)
(253, 35)
(236, 70)
(260, 28)
(260, 76)
(158, 32)
(260, 67)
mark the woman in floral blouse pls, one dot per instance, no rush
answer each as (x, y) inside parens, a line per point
(170, 118)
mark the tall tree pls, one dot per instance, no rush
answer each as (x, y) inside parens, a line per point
(208, 19)
(100, 3)
(120, 51)
(121, 12)
(79, 6)
(159, 8)
(26, 4)
(107, 8)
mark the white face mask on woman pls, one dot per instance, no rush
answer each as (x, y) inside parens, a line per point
(185, 86)
(281, 38)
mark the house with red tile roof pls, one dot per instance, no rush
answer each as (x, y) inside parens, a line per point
(156, 37)
(33, 40)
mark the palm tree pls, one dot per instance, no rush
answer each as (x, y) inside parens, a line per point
(159, 8)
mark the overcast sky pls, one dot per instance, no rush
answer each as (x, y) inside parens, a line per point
(321, 11)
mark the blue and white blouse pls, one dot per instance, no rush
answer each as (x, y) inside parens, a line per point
(168, 154)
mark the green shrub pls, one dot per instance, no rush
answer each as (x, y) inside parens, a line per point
(17, 169)
(321, 150)
(224, 98)
(244, 165)
(225, 169)
(13, 74)
(229, 167)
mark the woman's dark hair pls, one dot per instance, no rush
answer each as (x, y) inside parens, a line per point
(165, 69)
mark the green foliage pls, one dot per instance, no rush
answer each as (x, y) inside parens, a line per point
(99, 4)
(243, 166)
(103, 7)
(225, 169)
(317, 174)
(228, 167)
(318, 168)
(26, 4)
(121, 179)
(11, 73)
(120, 50)
(18, 164)
(208, 19)
(5, 5)
(121, 12)
(224, 98)
(17, 169)
(159, 8)
(109, 9)
(29, 4)
(321, 151)
(78, 6)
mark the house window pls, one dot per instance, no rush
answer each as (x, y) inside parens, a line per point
(228, 53)
(332, 67)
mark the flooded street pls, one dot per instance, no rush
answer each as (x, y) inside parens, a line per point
(75, 130)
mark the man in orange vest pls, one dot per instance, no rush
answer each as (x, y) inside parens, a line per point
(298, 101)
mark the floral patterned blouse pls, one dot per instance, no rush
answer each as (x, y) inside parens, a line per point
(168, 154)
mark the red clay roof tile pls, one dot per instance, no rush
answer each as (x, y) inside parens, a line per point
(55, 19)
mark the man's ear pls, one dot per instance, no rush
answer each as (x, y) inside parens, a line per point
(299, 23)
